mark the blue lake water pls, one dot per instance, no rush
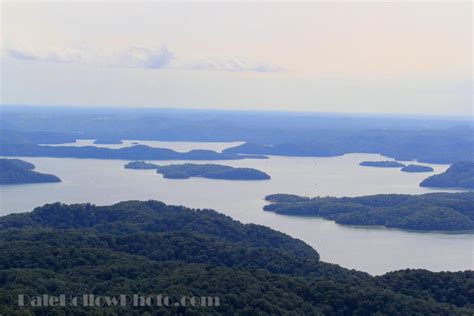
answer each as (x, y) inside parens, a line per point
(374, 250)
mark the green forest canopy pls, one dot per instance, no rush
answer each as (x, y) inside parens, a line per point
(150, 247)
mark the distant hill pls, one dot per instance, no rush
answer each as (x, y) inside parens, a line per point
(434, 211)
(382, 164)
(150, 248)
(458, 175)
(417, 168)
(16, 171)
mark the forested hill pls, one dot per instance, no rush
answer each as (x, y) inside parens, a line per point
(149, 248)
(458, 175)
(16, 171)
(433, 211)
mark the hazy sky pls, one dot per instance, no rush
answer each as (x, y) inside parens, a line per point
(395, 57)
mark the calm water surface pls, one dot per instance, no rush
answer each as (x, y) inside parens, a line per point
(375, 250)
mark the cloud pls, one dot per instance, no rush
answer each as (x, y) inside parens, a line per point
(231, 65)
(139, 57)
(56, 55)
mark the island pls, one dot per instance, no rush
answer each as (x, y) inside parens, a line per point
(149, 247)
(107, 141)
(210, 171)
(458, 175)
(16, 171)
(140, 165)
(417, 168)
(426, 212)
(382, 164)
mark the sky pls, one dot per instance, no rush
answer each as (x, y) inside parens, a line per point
(352, 57)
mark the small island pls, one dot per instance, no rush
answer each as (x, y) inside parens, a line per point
(140, 165)
(426, 212)
(209, 171)
(106, 141)
(458, 175)
(382, 164)
(16, 171)
(417, 168)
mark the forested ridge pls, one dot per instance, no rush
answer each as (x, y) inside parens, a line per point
(458, 175)
(432, 211)
(150, 247)
(135, 152)
(16, 171)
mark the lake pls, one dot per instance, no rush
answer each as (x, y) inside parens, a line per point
(374, 250)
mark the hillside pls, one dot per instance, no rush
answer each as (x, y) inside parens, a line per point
(16, 171)
(458, 175)
(149, 247)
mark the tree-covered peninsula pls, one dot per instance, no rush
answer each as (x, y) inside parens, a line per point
(433, 211)
(458, 175)
(147, 248)
(10, 147)
(382, 164)
(16, 171)
(417, 168)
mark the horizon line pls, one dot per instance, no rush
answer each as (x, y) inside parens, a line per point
(256, 110)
